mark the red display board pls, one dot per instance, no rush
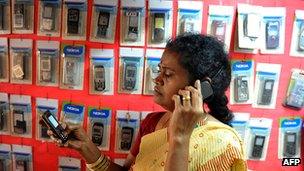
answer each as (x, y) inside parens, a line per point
(45, 155)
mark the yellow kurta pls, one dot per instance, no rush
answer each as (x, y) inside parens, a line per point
(213, 147)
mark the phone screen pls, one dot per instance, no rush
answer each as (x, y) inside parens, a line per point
(53, 121)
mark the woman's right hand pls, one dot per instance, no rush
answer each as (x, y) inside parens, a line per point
(78, 140)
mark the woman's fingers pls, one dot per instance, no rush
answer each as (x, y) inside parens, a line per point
(186, 98)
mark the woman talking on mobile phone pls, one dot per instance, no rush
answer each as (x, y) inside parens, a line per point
(185, 136)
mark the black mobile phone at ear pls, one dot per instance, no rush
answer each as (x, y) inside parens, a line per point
(54, 125)
(206, 89)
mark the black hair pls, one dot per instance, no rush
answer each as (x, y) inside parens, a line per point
(204, 56)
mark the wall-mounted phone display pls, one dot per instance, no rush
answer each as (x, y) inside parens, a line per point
(133, 25)
(258, 145)
(74, 20)
(103, 24)
(129, 76)
(151, 70)
(22, 158)
(218, 28)
(99, 77)
(297, 37)
(4, 114)
(241, 89)
(126, 138)
(22, 16)
(301, 37)
(69, 164)
(290, 140)
(158, 34)
(72, 113)
(5, 157)
(266, 92)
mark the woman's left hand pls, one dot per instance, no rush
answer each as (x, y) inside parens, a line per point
(187, 112)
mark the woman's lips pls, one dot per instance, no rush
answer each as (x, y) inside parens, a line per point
(156, 91)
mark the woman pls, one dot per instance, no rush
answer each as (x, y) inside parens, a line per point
(185, 137)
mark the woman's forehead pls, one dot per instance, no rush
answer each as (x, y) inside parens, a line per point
(169, 59)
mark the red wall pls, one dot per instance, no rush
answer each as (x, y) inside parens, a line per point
(46, 154)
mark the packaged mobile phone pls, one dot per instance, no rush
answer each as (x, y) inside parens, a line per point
(69, 164)
(49, 22)
(240, 123)
(72, 66)
(47, 63)
(44, 106)
(101, 71)
(266, 85)
(295, 93)
(4, 114)
(21, 61)
(220, 23)
(151, 69)
(289, 145)
(249, 28)
(133, 22)
(74, 19)
(160, 22)
(72, 113)
(21, 115)
(22, 157)
(241, 91)
(273, 24)
(5, 22)
(131, 69)
(5, 157)
(258, 140)
(127, 124)
(297, 38)
(4, 60)
(22, 16)
(99, 123)
(103, 23)
(189, 17)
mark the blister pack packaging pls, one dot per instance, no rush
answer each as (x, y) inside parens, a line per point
(21, 61)
(5, 22)
(297, 40)
(21, 115)
(159, 22)
(220, 23)
(273, 24)
(22, 157)
(127, 126)
(295, 93)
(99, 126)
(189, 17)
(72, 67)
(103, 23)
(74, 21)
(4, 114)
(102, 71)
(242, 81)
(240, 123)
(258, 140)
(69, 164)
(5, 157)
(72, 113)
(22, 16)
(266, 85)
(289, 138)
(4, 60)
(130, 70)
(132, 17)
(47, 63)
(49, 23)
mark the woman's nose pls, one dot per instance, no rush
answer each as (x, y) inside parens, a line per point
(158, 80)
